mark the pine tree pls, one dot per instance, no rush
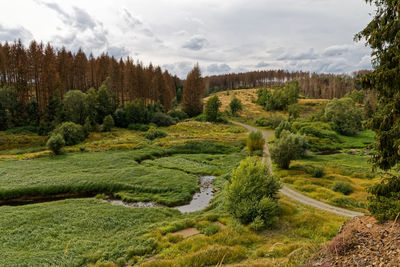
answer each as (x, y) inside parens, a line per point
(193, 91)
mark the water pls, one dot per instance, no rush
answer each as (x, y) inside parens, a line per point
(200, 199)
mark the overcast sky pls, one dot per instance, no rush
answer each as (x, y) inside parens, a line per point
(222, 36)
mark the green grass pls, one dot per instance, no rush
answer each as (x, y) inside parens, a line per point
(37, 235)
(99, 172)
(348, 168)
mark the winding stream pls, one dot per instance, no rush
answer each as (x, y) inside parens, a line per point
(199, 201)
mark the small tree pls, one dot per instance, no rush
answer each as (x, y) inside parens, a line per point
(55, 143)
(284, 125)
(212, 109)
(72, 133)
(255, 141)
(294, 111)
(193, 90)
(287, 148)
(75, 106)
(235, 106)
(108, 123)
(251, 193)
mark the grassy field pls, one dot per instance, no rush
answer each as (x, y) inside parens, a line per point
(349, 168)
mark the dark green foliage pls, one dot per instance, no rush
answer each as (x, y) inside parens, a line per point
(343, 187)
(87, 127)
(251, 193)
(12, 107)
(344, 116)
(154, 133)
(92, 105)
(284, 125)
(318, 172)
(105, 103)
(358, 96)
(280, 98)
(44, 128)
(138, 127)
(137, 112)
(315, 128)
(210, 229)
(55, 143)
(178, 114)
(71, 132)
(75, 108)
(205, 147)
(271, 122)
(3, 118)
(55, 110)
(235, 106)
(120, 118)
(212, 109)
(384, 203)
(108, 123)
(294, 111)
(32, 111)
(287, 148)
(162, 119)
(255, 141)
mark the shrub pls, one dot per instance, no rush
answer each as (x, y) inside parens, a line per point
(271, 122)
(212, 109)
(87, 127)
(342, 187)
(178, 114)
(255, 141)
(138, 127)
(120, 118)
(384, 203)
(294, 111)
(251, 193)
(345, 117)
(55, 143)
(284, 125)
(315, 128)
(108, 123)
(318, 172)
(235, 106)
(210, 229)
(287, 148)
(162, 119)
(154, 133)
(72, 133)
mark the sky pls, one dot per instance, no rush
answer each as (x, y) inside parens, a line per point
(222, 36)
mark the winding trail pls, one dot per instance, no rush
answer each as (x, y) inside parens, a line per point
(294, 194)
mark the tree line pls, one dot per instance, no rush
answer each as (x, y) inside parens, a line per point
(312, 85)
(40, 72)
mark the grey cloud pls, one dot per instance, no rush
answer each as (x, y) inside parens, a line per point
(218, 68)
(181, 69)
(336, 50)
(11, 34)
(130, 20)
(299, 56)
(117, 52)
(83, 20)
(262, 64)
(195, 43)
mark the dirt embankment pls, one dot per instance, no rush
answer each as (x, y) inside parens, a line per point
(362, 242)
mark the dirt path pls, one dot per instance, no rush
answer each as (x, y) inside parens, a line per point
(296, 195)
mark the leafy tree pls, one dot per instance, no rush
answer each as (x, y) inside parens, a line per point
(193, 91)
(108, 123)
(284, 125)
(72, 133)
(344, 116)
(75, 107)
(235, 106)
(137, 112)
(212, 108)
(55, 143)
(105, 103)
(32, 110)
(92, 105)
(251, 194)
(382, 35)
(3, 118)
(287, 148)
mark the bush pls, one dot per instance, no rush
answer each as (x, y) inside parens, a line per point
(251, 193)
(72, 133)
(108, 123)
(210, 229)
(345, 117)
(138, 127)
(162, 119)
(255, 141)
(75, 107)
(384, 203)
(315, 128)
(318, 172)
(287, 148)
(212, 109)
(235, 106)
(55, 143)
(284, 125)
(271, 122)
(343, 187)
(178, 114)
(154, 133)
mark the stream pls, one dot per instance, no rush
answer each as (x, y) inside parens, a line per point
(199, 201)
